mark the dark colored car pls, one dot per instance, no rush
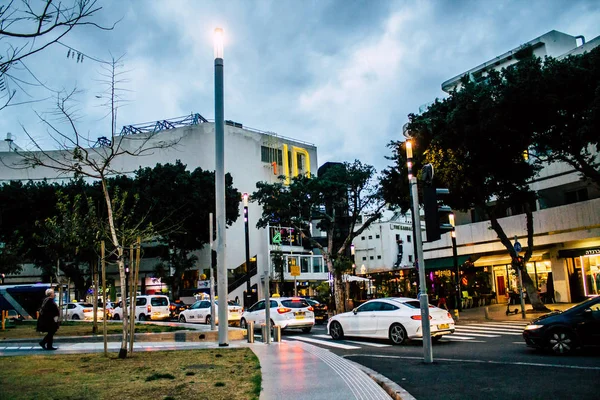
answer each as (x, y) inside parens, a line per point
(176, 307)
(561, 332)
(320, 311)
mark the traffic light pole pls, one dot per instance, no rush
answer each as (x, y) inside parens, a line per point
(425, 326)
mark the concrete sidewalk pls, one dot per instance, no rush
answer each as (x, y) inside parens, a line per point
(290, 370)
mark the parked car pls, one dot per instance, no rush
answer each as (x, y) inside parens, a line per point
(81, 311)
(394, 318)
(320, 310)
(176, 307)
(153, 307)
(287, 312)
(110, 306)
(563, 331)
(200, 313)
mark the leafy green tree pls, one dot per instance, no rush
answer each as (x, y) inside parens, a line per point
(178, 203)
(336, 199)
(476, 141)
(566, 103)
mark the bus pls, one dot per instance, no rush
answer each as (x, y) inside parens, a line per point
(25, 299)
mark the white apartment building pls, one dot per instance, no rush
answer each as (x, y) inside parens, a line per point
(251, 156)
(566, 257)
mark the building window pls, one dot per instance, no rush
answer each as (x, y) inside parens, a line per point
(370, 257)
(362, 238)
(365, 259)
(576, 196)
(370, 237)
(397, 237)
(379, 257)
(376, 236)
(410, 260)
(269, 155)
(408, 239)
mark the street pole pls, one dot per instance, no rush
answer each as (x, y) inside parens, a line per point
(455, 262)
(212, 276)
(425, 326)
(247, 234)
(220, 187)
(267, 307)
(521, 293)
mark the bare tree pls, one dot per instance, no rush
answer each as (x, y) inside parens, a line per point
(78, 155)
(29, 27)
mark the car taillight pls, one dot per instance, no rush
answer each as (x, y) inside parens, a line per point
(171, 307)
(417, 317)
(149, 308)
(310, 308)
(283, 310)
(87, 310)
(449, 316)
(325, 308)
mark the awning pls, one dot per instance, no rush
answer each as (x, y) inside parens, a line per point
(445, 262)
(353, 278)
(504, 259)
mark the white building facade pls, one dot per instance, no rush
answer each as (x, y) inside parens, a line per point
(250, 156)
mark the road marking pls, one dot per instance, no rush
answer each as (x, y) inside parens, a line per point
(475, 333)
(479, 361)
(501, 325)
(324, 343)
(356, 342)
(455, 336)
(505, 328)
(475, 329)
(458, 339)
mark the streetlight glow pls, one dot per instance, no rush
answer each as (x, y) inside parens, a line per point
(245, 198)
(218, 39)
(409, 149)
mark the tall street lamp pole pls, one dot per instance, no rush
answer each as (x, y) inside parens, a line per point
(455, 262)
(220, 187)
(425, 326)
(247, 237)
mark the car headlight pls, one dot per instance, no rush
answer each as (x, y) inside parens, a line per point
(533, 327)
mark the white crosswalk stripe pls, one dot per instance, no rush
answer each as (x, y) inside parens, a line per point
(355, 342)
(329, 343)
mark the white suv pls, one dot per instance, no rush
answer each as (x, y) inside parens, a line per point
(287, 312)
(150, 307)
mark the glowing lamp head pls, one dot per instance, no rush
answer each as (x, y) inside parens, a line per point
(218, 38)
(408, 149)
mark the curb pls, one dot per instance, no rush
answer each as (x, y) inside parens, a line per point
(395, 391)
(180, 336)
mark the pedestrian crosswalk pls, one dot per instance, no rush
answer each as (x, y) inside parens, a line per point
(472, 333)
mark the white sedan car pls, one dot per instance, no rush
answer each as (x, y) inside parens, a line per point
(394, 318)
(287, 312)
(199, 313)
(81, 311)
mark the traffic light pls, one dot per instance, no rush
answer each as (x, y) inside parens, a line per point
(436, 215)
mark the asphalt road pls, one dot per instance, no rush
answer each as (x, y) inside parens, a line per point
(485, 360)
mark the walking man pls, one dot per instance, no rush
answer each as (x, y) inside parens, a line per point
(48, 320)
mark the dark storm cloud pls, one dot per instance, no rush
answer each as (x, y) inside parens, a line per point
(343, 75)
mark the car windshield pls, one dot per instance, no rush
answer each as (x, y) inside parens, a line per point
(414, 304)
(159, 301)
(294, 303)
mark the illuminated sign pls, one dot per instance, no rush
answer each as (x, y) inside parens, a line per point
(286, 165)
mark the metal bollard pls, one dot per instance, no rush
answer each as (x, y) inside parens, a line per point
(487, 313)
(276, 333)
(250, 328)
(455, 315)
(263, 329)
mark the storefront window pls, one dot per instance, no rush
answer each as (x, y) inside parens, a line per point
(590, 266)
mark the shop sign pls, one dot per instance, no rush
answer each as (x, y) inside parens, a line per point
(592, 252)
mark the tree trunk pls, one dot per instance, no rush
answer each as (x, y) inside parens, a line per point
(534, 299)
(340, 293)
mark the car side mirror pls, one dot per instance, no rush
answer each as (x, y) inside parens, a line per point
(587, 312)
(355, 311)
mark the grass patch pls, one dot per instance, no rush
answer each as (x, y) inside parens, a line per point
(26, 329)
(155, 377)
(146, 375)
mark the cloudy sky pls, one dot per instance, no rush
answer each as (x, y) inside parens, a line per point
(343, 74)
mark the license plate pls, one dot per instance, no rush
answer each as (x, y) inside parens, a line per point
(299, 316)
(443, 326)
